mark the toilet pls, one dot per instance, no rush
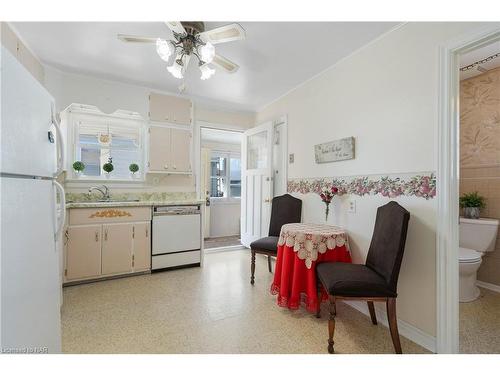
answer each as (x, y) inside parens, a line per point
(477, 236)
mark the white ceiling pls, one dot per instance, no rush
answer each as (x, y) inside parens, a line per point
(477, 55)
(274, 58)
(220, 136)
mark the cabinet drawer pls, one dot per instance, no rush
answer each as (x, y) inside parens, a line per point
(108, 215)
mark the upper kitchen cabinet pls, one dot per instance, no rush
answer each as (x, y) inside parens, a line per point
(169, 150)
(172, 109)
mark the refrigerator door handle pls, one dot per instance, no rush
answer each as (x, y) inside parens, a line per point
(60, 144)
(62, 207)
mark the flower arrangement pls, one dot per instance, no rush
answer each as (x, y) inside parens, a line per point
(326, 197)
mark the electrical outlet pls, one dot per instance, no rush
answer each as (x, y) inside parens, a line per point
(291, 158)
(352, 206)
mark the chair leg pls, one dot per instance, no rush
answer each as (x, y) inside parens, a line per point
(371, 308)
(269, 263)
(252, 268)
(393, 324)
(318, 309)
(331, 325)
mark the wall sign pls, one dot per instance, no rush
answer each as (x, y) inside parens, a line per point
(340, 149)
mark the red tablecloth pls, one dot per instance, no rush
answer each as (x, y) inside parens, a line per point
(294, 282)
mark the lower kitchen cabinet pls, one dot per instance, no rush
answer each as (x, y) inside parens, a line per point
(118, 244)
(117, 248)
(142, 246)
(83, 252)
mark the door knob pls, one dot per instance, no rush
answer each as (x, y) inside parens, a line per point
(267, 200)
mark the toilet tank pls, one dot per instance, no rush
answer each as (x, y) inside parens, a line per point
(478, 234)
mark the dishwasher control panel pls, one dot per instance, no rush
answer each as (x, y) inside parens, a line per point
(176, 210)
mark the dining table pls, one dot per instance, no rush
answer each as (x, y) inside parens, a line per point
(301, 247)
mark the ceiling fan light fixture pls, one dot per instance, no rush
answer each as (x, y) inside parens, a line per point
(176, 70)
(207, 52)
(206, 72)
(164, 49)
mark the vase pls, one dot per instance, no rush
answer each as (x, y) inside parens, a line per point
(471, 212)
(327, 210)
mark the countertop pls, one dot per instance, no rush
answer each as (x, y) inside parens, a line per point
(94, 204)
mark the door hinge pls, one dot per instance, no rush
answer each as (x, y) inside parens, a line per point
(133, 236)
(65, 272)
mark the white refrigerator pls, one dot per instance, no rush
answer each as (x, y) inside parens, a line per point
(31, 158)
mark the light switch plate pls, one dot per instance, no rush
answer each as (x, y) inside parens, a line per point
(352, 206)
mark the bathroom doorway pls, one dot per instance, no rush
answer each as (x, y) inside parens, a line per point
(479, 199)
(448, 174)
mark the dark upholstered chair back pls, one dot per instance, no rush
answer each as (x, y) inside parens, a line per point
(388, 242)
(285, 209)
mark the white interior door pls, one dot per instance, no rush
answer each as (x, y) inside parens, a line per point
(205, 189)
(256, 182)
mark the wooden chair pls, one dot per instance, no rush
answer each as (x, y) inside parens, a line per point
(285, 209)
(377, 279)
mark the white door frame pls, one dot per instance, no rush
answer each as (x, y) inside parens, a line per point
(447, 333)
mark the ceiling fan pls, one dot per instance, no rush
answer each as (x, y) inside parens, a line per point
(191, 39)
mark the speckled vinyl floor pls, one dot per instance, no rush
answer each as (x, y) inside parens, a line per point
(213, 309)
(480, 324)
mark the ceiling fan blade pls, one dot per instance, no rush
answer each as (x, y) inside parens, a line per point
(223, 34)
(176, 27)
(136, 38)
(225, 64)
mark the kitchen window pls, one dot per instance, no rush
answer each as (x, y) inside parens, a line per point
(97, 142)
(225, 176)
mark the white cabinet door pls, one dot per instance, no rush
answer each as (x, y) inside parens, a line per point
(180, 152)
(167, 108)
(83, 252)
(159, 149)
(117, 248)
(142, 246)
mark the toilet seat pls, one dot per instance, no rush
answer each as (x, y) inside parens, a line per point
(469, 255)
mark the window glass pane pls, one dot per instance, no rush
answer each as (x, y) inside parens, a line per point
(98, 142)
(217, 187)
(235, 177)
(257, 150)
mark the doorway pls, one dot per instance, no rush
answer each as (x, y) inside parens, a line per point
(220, 154)
(448, 172)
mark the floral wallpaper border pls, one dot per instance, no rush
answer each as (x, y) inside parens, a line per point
(419, 185)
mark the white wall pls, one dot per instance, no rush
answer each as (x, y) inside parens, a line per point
(108, 96)
(386, 96)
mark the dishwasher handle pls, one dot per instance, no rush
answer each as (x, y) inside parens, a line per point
(174, 213)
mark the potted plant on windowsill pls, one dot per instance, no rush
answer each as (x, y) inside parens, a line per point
(108, 167)
(78, 167)
(472, 204)
(133, 168)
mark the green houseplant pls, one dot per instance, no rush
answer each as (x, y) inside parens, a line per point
(78, 167)
(133, 168)
(472, 204)
(108, 167)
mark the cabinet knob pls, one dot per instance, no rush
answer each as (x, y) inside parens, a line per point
(165, 166)
(175, 167)
(96, 236)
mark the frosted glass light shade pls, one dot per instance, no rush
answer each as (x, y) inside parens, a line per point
(206, 72)
(176, 70)
(207, 52)
(164, 49)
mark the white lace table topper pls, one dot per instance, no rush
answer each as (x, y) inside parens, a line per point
(308, 240)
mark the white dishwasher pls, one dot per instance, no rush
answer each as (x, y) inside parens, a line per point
(176, 237)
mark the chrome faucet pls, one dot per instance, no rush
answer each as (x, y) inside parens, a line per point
(103, 189)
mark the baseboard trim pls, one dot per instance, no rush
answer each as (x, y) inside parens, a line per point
(405, 329)
(223, 249)
(489, 286)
